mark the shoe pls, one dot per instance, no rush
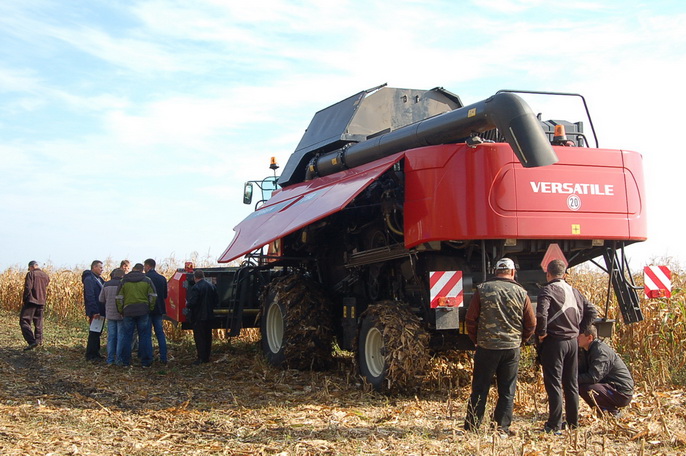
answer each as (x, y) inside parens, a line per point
(553, 431)
(506, 432)
(196, 362)
(613, 413)
(31, 346)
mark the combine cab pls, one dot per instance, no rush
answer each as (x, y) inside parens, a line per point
(397, 203)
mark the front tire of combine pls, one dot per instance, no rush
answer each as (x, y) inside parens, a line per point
(392, 348)
(296, 324)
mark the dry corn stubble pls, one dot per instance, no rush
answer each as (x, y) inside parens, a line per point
(51, 401)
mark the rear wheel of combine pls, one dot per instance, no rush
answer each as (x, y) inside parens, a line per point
(392, 347)
(296, 324)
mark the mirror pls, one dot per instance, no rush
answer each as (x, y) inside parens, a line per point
(247, 193)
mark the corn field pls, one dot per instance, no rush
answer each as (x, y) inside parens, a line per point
(655, 348)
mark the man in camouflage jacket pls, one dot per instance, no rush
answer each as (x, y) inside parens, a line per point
(499, 319)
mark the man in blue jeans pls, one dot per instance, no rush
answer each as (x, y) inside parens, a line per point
(157, 314)
(135, 301)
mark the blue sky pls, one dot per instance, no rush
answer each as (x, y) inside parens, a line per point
(128, 128)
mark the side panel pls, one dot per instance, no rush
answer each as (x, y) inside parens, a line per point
(176, 297)
(633, 162)
(448, 193)
(461, 193)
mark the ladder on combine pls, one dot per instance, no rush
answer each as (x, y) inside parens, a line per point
(623, 284)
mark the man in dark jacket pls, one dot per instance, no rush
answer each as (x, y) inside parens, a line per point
(157, 314)
(561, 312)
(202, 299)
(135, 300)
(95, 310)
(605, 382)
(35, 289)
(499, 320)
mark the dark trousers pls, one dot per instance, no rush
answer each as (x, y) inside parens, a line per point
(202, 333)
(32, 316)
(604, 397)
(93, 345)
(559, 361)
(504, 364)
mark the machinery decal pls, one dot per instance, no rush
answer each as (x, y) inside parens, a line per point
(569, 187)
(446, 288)
(658, 282)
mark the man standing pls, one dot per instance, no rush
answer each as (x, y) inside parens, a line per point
(157, 314)
(561, 312)
(499, 319)
(605, 382)
(95, 310)
(35, 289)
(108, 295)
(135, 301)
(202, 299)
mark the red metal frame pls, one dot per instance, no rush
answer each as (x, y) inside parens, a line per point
(176, 297)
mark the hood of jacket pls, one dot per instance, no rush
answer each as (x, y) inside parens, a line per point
(134, 276)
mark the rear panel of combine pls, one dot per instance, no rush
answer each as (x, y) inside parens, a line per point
(457, 192)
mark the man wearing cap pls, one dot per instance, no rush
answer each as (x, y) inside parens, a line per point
(561, 313)
(499, 319)
(35, 290)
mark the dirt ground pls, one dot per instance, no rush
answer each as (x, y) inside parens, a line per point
(53, 402)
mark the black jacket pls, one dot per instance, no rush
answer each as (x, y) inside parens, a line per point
(562, 311)
(601, 364)
(160, 284)
(201, 299)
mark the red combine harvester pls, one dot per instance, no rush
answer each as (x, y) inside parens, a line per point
(395, 204)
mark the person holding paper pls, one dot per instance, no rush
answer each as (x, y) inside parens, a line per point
(95, 310)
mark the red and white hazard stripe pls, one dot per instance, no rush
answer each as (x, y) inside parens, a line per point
(446, 288)
(658, 281)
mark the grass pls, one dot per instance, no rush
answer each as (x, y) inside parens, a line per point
(54, 402)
